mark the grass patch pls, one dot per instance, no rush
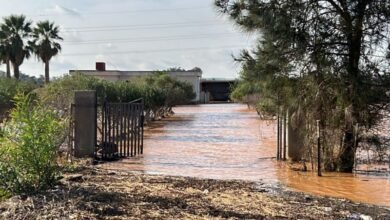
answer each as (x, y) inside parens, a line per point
(4, 195)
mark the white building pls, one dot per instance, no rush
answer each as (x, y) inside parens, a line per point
(193, 77)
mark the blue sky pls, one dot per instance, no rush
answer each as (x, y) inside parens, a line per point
(137, 35)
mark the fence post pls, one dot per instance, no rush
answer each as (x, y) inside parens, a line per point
(277, 139)
(280, 137)
(142, 125)
(284, 136)
(71, 134)
(356, 130)
(318, 149)
(85, 122)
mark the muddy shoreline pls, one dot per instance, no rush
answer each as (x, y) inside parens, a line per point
(93, 193)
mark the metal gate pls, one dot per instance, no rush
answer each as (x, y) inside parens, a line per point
(121, 130)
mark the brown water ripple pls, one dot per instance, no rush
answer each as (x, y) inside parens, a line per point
(228, 141)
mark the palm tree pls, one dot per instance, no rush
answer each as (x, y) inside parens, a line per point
(45, 43)
(5, 52)
(4, 57)
(15, 30)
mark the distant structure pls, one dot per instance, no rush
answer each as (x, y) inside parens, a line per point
(208, 90)
(216, 90)
(191, 76)
(2, 74)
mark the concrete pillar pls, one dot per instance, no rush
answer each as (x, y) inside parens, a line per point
(295, 140)
(202, 98)
(85, 111)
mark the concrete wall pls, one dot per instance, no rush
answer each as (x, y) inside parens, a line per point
(85, 123)
(193, 77)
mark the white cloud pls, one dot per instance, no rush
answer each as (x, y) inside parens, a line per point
(107, 46)
(60, 10)
(70, 35)
(100, 57)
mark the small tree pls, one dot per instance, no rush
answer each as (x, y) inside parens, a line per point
(28, 147)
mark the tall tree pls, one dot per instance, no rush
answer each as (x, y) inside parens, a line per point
(4, 55)
(15, 30)
(5, 51)
(45, 43)
(343, 38)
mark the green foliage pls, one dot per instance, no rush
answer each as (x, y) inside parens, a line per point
(4, 194)
(180, 69)
(60, 92)
(45, 43)
(18, 40)
(169, 91)
(28, 147)
(242, 90)
(317, 60)
(158, 90)
(14, 31)
(9, 88)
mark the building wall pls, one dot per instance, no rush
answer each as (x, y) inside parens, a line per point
(217, 90)
(192, 77)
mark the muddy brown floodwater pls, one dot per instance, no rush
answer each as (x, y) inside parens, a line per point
(228, 141)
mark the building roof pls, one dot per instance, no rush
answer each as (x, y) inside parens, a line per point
(134, 73)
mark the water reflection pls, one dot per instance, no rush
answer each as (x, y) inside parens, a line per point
(228, 141)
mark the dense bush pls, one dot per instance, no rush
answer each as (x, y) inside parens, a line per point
(160, 92)
(60, 92)
(28, 146)
(9, 88)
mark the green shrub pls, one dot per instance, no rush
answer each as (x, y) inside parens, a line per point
(9, 88)
(4, 194)
(28, 145)
(59, 93)
(158, 90)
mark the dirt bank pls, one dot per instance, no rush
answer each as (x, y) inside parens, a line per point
(99, 194)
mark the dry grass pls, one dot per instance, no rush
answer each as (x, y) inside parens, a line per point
(102, 194)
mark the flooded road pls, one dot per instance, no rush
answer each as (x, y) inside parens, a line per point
(228, 141)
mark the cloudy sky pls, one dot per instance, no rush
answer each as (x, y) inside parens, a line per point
(136, 35)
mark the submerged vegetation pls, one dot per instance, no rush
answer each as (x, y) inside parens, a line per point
(317, 60)
(159, 91)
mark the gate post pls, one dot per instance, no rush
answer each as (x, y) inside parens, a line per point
(85, 116)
